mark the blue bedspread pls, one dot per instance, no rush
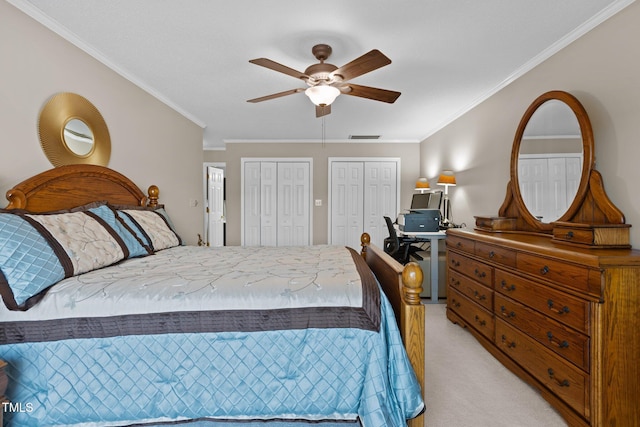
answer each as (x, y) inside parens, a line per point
(307, 374)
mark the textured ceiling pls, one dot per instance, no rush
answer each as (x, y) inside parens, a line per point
(447, 56)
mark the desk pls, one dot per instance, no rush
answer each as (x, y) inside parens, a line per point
(433, 238)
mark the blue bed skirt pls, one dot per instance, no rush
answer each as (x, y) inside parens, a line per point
(315, 374)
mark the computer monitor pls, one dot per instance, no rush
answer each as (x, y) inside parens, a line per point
(420, 201)
(435, 201)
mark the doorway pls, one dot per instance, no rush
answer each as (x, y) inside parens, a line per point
(215, 204)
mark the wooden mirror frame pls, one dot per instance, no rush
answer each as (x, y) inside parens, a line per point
(588, 160)
(56, 113)
(591, 207)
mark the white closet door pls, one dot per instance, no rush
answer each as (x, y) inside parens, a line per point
(251, 204)
(293, 204)
(277, 202)
(380, 199)
(549, 184)
(557, 190)
(268, 203)
(574, 174)
(347, 203)
(532, 176)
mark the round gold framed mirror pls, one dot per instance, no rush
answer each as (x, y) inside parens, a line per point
(72, 131)
(551, 159)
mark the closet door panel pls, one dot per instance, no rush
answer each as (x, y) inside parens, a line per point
(293, 204)
(268, 202)
(574, 173)
(347, 210)
(532, 176)
(301, 210)
(251, 204)
(558, 186)
(380, 199)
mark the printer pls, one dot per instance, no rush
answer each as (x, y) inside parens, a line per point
(420, 220)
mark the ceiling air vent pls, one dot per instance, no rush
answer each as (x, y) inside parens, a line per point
(364, 136)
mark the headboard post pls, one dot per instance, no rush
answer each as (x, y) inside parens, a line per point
(365, 240)
(153, 192)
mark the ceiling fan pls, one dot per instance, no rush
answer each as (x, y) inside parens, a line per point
(326, 81)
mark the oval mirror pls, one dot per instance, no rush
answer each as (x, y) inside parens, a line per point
(551, 159)
(72, 131)
(78, 137)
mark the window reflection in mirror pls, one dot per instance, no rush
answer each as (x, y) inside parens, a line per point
(550, 161)
(78, 137)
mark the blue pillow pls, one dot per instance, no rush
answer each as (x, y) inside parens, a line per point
(28, 263)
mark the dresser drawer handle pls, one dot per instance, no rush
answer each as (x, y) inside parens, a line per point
(455, 303)
(544, 270)
(458, 244)
(480, 274)
(569, 235)
(503, 285)
(492, 254)
(477, 295)
(511, 344)
(480, 322)
(563, 383)
(563, 344)
(563, 310)
(455, 263)
(509, 315)
(455, 283)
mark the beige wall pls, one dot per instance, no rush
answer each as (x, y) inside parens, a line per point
(602, 69)
(409, 164)
(151, 143)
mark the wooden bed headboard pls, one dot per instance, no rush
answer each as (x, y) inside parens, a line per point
(66, 187)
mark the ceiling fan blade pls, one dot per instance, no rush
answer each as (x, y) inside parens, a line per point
(368, 62)
(323, 111)
(374, 93)
(272, 65)
(276, 95)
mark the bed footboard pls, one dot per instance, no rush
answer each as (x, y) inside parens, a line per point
(402, 285)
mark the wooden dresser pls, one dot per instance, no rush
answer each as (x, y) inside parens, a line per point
(565, 319)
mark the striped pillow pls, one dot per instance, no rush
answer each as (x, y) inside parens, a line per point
(39, 250)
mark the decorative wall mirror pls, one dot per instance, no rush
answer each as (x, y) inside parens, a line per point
(554, 187)
(72, 131)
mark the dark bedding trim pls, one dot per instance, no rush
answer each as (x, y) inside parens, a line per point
(216, 422)
(366, 317)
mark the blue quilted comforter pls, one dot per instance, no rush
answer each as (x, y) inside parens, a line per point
(320, 372)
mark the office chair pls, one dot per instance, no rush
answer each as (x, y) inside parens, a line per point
(400, 248)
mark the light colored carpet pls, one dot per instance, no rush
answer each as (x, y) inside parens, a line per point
(467, 387)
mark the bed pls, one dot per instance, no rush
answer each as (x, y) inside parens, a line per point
(109, 319)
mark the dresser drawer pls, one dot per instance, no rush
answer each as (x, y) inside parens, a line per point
(566, 342)
(460, 244)
(477, 317)
(562, 273)
(477, 270)
(565, 380)
(496, 254)
(549, 302)
(472, 289)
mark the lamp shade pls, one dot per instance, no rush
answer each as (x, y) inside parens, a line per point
(447, 178)
(422, 184)
(322, 95)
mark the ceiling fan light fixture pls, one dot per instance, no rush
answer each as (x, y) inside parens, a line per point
(322, 95)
